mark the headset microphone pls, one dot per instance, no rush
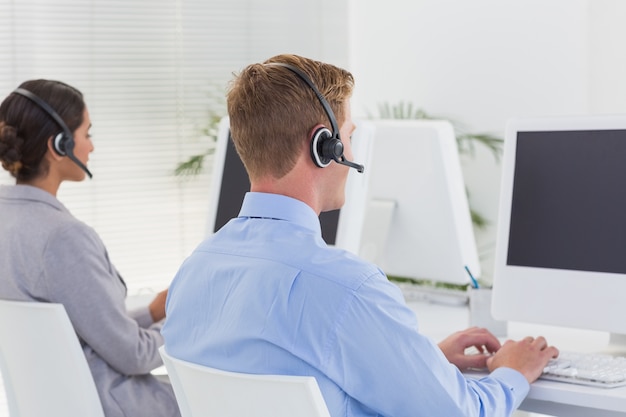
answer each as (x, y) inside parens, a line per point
(326, 146)
(63, 143)
(360, 168)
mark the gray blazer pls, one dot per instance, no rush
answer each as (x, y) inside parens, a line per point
(46, 254)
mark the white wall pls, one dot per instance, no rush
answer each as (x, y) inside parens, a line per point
(607, 61)
(482, 62)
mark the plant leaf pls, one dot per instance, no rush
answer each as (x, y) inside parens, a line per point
(192, 166)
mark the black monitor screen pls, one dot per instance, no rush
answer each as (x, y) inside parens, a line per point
(569, 201)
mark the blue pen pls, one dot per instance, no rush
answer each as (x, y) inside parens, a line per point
(474, 282)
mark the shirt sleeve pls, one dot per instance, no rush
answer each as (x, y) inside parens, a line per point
(412, 373)
(142, 316)
(80, 276)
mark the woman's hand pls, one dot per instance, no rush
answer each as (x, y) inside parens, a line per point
(157, 306)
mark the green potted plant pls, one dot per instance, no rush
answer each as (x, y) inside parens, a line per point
(216, 104)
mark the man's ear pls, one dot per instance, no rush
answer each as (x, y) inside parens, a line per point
(312, 132)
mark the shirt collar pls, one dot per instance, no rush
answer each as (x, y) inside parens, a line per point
(280, 207)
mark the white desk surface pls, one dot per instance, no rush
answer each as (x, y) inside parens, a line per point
(545, 397)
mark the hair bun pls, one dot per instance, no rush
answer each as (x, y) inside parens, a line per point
(10, 149)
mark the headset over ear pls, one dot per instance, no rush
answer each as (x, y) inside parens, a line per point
(326, 145)
(63, 142)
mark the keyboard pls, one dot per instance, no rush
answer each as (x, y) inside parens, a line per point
(593, 369)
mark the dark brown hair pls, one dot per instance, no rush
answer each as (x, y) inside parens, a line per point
(25, 127)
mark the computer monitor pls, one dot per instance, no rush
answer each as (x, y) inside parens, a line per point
(418, 223)
(561, 240)
(229, 183)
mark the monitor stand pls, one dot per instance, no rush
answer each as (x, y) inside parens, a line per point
(617, 344)
(376, 225)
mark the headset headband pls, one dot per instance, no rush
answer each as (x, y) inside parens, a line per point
(46, 107)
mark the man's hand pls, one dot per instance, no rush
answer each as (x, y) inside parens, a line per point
(454, 346)
(528, 356)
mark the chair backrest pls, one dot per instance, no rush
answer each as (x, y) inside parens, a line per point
(202, 391)
(44, 369)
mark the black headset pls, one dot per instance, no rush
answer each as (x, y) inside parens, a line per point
(326, 146)
(63, 142)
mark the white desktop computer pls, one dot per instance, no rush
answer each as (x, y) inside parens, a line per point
(418, 222)
(561, 240)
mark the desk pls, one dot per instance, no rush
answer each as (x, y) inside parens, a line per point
(545, 397)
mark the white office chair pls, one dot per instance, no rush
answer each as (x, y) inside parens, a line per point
(44, 369)
(202, 391)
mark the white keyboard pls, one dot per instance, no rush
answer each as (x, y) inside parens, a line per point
(594, 369)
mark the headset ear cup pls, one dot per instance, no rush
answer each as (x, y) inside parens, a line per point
(63, 144)
(325, 147)
(320, 137)
(59, 144)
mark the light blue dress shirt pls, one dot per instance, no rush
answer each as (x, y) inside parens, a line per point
(266, 295)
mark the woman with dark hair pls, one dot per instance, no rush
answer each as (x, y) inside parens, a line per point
(47, 255)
